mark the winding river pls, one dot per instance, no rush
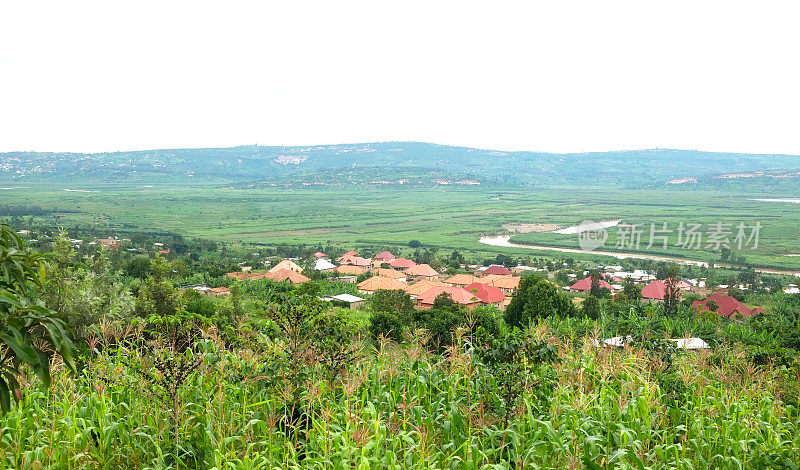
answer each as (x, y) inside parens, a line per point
(505, 241)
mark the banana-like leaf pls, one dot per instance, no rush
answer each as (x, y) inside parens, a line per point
(5, 397)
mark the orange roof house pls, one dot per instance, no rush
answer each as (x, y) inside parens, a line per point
(320, 254)
(727, 307)
(489, 295)
(657, 290)
(286, 264)
(497, 269)
(401, 263)
(422, 286)
(461, 280)
(503, 282)
(391, 273)
(350, 270)
(347, 256)
(287, 275)
(357, 261)
(458, 294)
(585, 284)
(376, 283)
(422, 271)
(385, 256)
(239, 276)
(507, 284)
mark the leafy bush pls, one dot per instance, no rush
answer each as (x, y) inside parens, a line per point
(387, 324)
(28, 330)
(537, 298)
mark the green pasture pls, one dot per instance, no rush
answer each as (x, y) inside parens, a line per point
(447, 217)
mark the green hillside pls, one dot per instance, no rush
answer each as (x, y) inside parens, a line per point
(411, 163)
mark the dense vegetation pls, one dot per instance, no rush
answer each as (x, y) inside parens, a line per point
(271, 377)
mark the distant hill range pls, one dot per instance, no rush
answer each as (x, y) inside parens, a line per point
(407, 163)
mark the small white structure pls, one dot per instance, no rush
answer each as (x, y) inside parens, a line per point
(680, 343)
(353, 301)
(323, 265)
(616, 341)
(690, 343)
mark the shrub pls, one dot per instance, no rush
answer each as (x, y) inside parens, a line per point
(591, 307)
(387, 324)
(536, 298)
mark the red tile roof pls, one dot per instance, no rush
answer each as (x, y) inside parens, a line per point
(461, 279)
(458, 294)
(423, 270)
(380, 283)
(319, 254)
(346, 256)
(287, 275)
(286, 264)
(487, 294)
(497, 269)
(357, 261)
(401, 263)
(385, 256)
(349, 269)
(727, 306)
(585, 284)
(420, 287)
(657, 290)
(392, 273)
(246, 276)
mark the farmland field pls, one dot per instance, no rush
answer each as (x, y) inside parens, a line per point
(446, 217)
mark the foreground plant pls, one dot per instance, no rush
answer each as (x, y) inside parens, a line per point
(513, 359)
(29, 332)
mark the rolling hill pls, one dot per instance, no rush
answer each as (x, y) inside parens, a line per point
(410, 163)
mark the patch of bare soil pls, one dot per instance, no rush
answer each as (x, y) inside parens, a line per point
(529, 228)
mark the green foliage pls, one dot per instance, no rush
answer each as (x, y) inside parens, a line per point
(387, 324)
(196, 302)
(157, 296)
(85, 292)
(591, 307)
(513, 360)
(334, 345)
(441, 320)
(295, 315)
(486, 318)
(632, 291)
(28, 330)
(396, 302)
(536, 298)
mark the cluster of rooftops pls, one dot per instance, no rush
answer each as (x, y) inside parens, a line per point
(656, 291)
(492, 285)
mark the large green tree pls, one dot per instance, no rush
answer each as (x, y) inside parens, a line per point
(536, 298)
(27, 328)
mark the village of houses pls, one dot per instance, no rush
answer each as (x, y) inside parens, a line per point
(480, 285)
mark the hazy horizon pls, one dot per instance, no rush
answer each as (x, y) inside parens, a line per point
(404, 141)
(546, 77)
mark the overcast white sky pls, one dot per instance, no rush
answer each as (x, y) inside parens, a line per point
(558, 76)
